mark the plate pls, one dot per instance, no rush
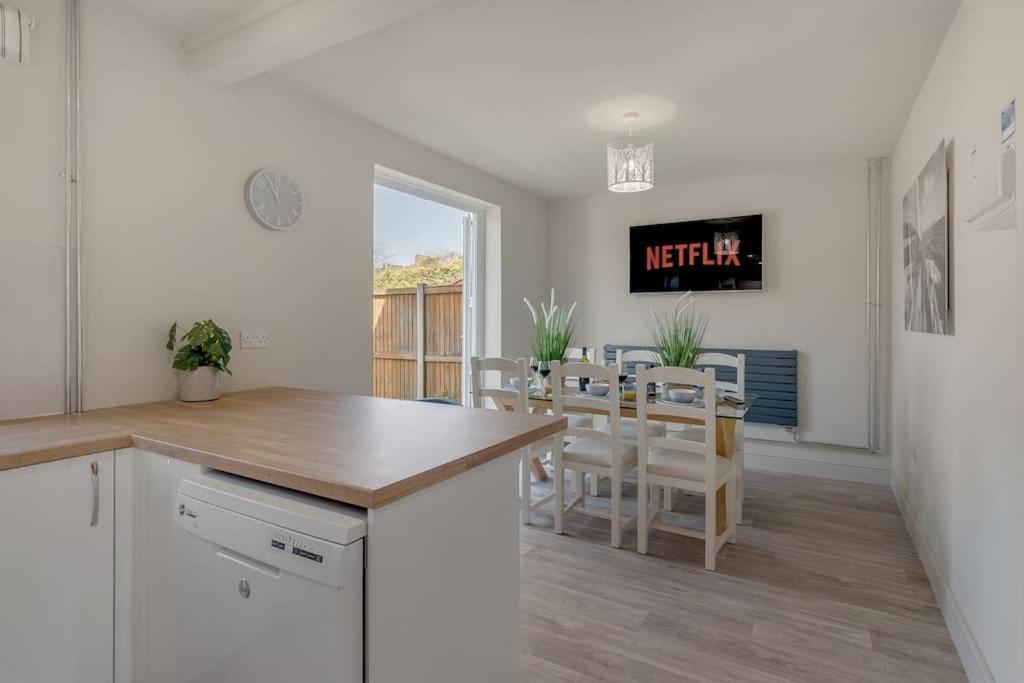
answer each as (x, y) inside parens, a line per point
(695, 403)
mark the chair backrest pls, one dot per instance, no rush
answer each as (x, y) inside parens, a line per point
(726, 360)
(571, 402)
(703, 414)
(625, 359)
(504, 397)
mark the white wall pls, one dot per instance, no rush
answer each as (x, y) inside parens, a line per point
(167, 236)
(815, 234)
(32, 221)
(956, 412)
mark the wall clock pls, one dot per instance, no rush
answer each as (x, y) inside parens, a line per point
(274, 199)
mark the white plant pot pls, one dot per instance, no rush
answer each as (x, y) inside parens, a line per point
(201, 384)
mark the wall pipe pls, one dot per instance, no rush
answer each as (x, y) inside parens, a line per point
(73, 299)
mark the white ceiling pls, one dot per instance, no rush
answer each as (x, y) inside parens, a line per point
(530, 90)
(195, 20)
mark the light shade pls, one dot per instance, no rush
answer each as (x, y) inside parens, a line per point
(631, 164)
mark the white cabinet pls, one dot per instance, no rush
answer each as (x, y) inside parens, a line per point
(56, 571)
(145, 561)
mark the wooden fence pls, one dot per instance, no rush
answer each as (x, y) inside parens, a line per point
(417, 342)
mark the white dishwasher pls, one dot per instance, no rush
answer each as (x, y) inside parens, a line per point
(269, 584)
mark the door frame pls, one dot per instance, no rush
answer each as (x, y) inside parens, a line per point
(473, 256)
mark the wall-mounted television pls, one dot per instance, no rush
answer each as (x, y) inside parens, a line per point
(719, 254)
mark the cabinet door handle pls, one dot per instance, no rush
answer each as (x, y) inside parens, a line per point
(95, 467)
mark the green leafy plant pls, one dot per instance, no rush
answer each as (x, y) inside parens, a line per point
(431, 269)
(204, 345)
(679, 335)
(552, 331)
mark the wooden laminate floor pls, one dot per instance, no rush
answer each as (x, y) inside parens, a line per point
(822, 585)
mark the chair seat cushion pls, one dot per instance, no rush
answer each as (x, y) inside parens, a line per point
(580, 421)
(667, 462)
(688, 433)
(597, 452)
(627, 429)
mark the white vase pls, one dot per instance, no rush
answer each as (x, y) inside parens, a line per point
(201, 384)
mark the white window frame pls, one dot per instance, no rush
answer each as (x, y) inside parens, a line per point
(473, 255)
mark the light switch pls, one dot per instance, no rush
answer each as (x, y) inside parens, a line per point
(255, 339)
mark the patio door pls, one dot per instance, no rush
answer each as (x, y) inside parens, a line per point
(472, 320)
(426, 312)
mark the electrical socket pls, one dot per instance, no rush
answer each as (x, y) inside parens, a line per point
(255, 339)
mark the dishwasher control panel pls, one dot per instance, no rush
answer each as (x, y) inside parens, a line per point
(270, 546)
(296, 545)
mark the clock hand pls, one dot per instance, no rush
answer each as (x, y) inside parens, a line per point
(273, 189)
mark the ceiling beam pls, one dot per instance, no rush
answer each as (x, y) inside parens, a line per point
(235, 53)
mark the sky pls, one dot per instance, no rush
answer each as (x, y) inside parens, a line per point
(406, 225)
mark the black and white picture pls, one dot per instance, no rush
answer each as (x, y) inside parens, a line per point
(926, 249)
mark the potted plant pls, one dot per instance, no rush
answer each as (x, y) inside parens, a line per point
(552, 333)
(204, 354)
(679, 335)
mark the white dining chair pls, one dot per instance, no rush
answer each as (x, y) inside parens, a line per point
(576, 354)
(646, 356)
(593, 451)
(504, 396)
(718, 359)
(739, 388)
(641, 358)
(690, 464)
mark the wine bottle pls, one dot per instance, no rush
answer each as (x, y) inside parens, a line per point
(584, 381)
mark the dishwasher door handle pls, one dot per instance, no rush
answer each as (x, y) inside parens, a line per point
(95, 468)
(251, 563)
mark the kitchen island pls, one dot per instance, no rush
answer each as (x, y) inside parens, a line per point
(437, 484)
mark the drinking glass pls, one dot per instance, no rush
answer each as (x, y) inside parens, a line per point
(544, 369)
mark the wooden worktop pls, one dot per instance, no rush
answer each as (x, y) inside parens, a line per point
(355, 449)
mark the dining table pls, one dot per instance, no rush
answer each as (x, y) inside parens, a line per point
(727, 416)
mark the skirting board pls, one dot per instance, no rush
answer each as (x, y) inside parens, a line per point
(823, 463)
(966, 645)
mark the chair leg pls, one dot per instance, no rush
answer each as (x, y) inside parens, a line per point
(559, 490)
(594, 481)
(710, 524)
(578, 482)
(616, 509)
(740, 484)
(656, 502)
(740, 487)
(731, 506)
(525, 483)
(641, 514)
(667, 499)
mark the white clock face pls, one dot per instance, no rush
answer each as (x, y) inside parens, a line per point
(274, 199)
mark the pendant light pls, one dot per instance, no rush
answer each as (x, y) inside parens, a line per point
(630, 160)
